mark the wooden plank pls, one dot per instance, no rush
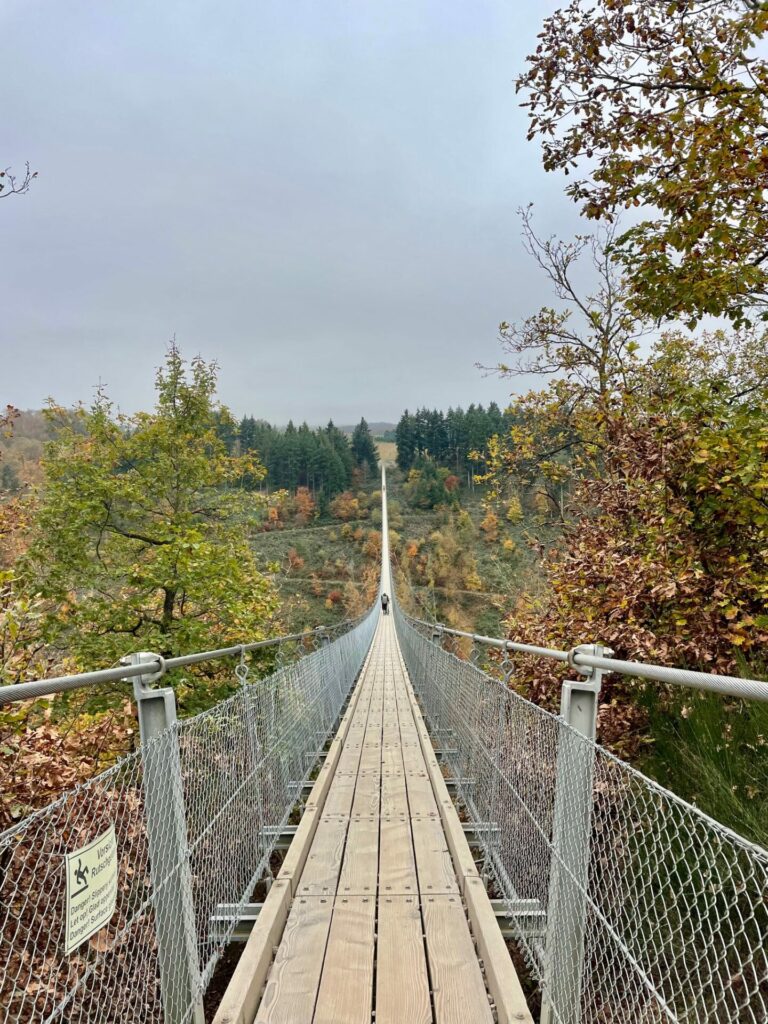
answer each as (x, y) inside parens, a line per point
(397, 864)
(298, 851)
(341, 794)
(463, 861)
(346, 985)
(433, 858)
(349, 759)
(420, 794)
(402, 984)
(503, 983)
(244, 989)
(394, 796)
(370, 760)
(292, 983)
(321, 871)
(391, 758)
(360, 867)
(457, 981)
(325, 775)
(367, 794)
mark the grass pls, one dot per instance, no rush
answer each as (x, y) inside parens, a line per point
(311, 563)
(713, 752)
(387, 451)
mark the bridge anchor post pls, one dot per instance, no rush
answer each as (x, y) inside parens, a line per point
(164, 812)
(571, 837)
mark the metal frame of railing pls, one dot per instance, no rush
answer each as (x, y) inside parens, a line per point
(565, 836)
(248, 755)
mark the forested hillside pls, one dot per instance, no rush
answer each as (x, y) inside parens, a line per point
(173, 530)
(448, 439)
(622, 500)
(326, 460)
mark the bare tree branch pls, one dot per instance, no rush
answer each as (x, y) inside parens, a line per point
(10, 185)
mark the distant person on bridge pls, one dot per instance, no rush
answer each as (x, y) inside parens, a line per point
(385, 603)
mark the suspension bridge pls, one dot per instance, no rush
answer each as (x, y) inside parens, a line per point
(380, 825)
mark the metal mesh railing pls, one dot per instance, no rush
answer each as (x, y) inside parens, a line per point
(631, 906)
(195, 813)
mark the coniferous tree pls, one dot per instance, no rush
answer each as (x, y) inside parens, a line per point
(405, 438)
(448, 439)
(341, 445)
(364, 449)
(321, 459)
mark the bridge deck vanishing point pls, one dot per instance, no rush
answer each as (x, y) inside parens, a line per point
(378, 913)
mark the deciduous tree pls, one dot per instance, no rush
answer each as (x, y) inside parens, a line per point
(663, 555)
(663, 105)
(592, 337)
(140, 540)
(11, 185)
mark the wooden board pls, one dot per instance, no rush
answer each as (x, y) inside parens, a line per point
(341, 794)
(346, 985)
(394, 797)
(391, 758)
(292, 984)
(397, 864)
(511, 1007)
(420, 794)
(433, 858)
(244, 990)
(367, 794)
(360, 867)
(321, 871)
(402, 984)
(458, 988)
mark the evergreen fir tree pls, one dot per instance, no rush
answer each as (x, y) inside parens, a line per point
(364, 449)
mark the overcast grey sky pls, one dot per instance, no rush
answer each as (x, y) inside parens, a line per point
(319, 195)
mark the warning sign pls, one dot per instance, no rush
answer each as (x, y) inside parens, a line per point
(91, 888)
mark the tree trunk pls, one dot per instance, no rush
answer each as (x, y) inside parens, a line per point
(169, 602)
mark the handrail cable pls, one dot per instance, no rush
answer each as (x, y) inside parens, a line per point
(43, 687)
(580, 659)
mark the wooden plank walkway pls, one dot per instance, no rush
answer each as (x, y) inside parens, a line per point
(381, 881)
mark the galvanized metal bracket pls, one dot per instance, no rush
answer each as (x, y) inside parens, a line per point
(579, 698)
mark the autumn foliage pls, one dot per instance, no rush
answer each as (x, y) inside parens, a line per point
(305, 506)
(664, 550)
(345, 507)
(661, 104)
(138, 540)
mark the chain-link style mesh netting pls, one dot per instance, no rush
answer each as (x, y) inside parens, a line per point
(632, 906)
(195, 814)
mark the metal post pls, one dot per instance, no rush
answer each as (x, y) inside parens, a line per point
(571, 836)
(180, 983)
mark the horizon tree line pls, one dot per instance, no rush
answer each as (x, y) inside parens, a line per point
(448, 438)
(324, 459)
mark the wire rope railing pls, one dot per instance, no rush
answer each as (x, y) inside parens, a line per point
(107, 896)
(630, 905)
